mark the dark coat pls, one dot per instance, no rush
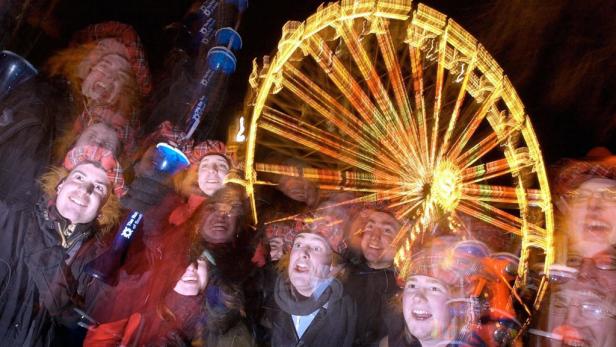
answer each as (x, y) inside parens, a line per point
(372, 290)
(38, 284)
(332, 326)
(35, 280)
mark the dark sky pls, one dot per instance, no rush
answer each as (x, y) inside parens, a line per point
(559, 54)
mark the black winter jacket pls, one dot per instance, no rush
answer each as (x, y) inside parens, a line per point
(332, 326)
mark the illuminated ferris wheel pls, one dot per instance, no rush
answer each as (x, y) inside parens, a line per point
(397, 103)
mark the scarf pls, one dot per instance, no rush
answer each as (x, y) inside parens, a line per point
(292, 303)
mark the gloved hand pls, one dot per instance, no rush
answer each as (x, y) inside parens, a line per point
(146, 192)
(149, 186)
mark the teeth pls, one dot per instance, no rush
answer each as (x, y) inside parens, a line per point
(421, 312)
(574, 343)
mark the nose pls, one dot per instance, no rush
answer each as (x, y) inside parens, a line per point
(88, 188)
(420, 296)
(595, 202)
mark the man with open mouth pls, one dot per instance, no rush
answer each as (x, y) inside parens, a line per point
(310, 307)
(581, 306)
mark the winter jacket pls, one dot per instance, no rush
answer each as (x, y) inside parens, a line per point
(333, 325)
(38, 284)
(372, 290)
(35, 280)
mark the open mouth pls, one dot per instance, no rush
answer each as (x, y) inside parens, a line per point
(301, 268)
(421, 314)
(597, 227)
(574, 342)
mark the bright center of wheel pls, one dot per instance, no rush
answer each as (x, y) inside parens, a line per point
(446, 189)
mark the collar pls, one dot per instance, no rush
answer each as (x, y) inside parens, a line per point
(50, 219)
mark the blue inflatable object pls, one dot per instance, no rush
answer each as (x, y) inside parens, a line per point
(14, 70)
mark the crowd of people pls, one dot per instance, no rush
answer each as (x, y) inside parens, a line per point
(75, 161)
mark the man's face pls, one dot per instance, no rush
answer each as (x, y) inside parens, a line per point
(194, 279)
(100, 135)
(299, 189)
(106, 82)
(378, 233)
(83, 193)
(590, 219)
(424, 305)
(212, 172)
(221, 221)
(582, 315)
(276, 248)
(310, 263)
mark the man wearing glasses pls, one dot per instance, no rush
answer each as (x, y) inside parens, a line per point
(581, 309)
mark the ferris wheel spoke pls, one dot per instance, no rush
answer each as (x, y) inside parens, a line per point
(472, 126)
(373, 80)
(317, 140)
(392, 64)
(420, 107)
(483, 172)
(348, 179)
(486, 192)
(349, 87)
(438, 95)
(350, 125)
(491, 215)
(455, 114)
(325, 105)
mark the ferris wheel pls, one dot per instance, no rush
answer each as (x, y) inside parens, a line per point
(397, 103)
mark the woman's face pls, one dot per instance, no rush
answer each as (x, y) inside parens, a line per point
(211, 174)
(424, 305)
(221, 222)
(194, 279)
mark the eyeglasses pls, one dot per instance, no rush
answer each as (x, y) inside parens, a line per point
(605, 262)
(582, 195)
(587, 310)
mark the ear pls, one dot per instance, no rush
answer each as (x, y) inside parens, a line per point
(60, 185)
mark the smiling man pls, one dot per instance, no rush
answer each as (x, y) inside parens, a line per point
(39, 243)
(310, 305)
(373, 280)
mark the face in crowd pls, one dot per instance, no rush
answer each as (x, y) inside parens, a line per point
(222, 216)
(276, 245)
(582, 310)
(107, 80)
(299, 189)
(194, 279)
(590, 216)
(82, 193)
(100, 135)
(211, 173)
(378, 233)
(425, 310)
(310, 263)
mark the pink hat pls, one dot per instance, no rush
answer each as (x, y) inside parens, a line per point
(569, 174)
(101, 156)
(208, 147)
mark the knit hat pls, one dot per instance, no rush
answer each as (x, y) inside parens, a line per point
(209, 147)
(568, 174)
(286, 230)
(101, 156)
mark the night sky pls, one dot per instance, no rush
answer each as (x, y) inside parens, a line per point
(559, 54)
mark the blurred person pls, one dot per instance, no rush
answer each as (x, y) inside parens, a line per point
(310, 306)
(581, 307)
(170, 320)
(373, 280)
(421, 315)
(585, 197)
(41, 276)
(108, 76)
